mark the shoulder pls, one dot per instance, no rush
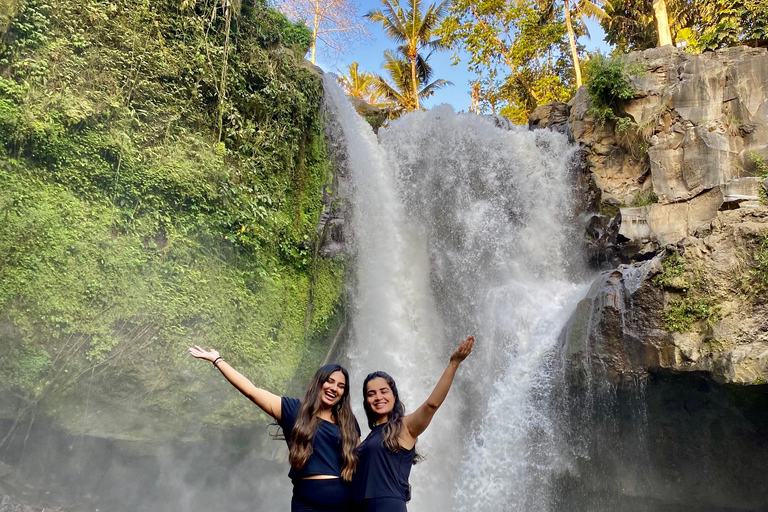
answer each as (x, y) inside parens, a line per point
(289, 410)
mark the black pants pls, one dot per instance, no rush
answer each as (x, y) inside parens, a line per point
(321, 495)
(381, 505)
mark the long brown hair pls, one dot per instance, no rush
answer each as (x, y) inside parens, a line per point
(307, 421)
(394, 426)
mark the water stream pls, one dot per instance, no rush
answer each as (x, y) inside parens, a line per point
(461, 224)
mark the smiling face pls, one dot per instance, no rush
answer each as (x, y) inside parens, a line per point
(333, 389)
(379, 398)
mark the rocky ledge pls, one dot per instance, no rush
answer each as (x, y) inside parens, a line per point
(698, 306)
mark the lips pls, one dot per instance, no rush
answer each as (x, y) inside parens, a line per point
(330, 395)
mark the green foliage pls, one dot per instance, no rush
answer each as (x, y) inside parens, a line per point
(645, 198)
(672, 275)
(609, 87)
(520, 52)
(696, 304)
(719, 23)
(127, 231)
(398, 91)
(414, 28)
(761, 166)
(761, 170)
(700, 24)
(680, 315)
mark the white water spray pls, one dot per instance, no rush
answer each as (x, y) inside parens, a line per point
(460, 227)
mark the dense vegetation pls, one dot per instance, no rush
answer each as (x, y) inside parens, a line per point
(161, 175)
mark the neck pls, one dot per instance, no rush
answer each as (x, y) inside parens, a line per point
(382, 419)
(325, 413)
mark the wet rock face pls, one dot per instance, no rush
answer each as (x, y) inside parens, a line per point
(699, 306)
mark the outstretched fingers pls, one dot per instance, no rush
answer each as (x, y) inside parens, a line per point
(201, 353)
(464, 349)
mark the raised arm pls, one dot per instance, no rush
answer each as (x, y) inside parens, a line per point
(418, 421)
(268, 402)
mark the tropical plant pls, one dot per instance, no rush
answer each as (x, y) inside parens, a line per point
(519, 51)
(359, 84)
(415, 29)
(716, 24)
(700, 25)
(400, 93)
(662, 22)
(634, 24)
(576, 11)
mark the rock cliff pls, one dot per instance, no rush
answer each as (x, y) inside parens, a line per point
(666, 359)
(680, 201)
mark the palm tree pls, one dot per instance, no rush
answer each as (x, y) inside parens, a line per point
(414, 29)
(641, 24)
(401, 93)
(662, 22)
(582, 9)
(578, 11)
(359, 84)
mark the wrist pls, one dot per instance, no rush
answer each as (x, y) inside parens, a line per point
(216, 361)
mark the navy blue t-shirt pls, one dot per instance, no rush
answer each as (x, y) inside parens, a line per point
(326, 446)
(381, 473)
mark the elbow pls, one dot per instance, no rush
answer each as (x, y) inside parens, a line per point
(433, 405)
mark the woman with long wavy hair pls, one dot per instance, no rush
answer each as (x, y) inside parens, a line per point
(320, 430)
(380, 483)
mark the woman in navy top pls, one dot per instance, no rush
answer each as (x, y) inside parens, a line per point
(321, 433)
(380, 483)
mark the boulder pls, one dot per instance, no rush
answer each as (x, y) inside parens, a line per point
(623, 327)
(552, 115)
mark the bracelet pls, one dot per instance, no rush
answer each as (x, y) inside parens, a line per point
(216, 361)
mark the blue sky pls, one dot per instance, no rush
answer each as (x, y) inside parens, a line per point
(370, 58)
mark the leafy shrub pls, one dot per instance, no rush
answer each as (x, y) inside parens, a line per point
(680, 315)
(673, 273)
(608, 85)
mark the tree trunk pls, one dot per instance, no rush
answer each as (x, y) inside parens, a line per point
(662, 22)
(223, 85)
(572, 40)
(414, 83)
(315, 27)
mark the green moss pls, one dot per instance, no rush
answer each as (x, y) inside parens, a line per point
(682, 314)
(761, 170)
(645, 198)
(609, 210)
(672, 275)
(131, 229)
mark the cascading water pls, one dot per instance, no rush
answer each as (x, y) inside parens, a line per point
(461, 226)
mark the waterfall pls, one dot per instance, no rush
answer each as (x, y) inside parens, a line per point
(462, 225)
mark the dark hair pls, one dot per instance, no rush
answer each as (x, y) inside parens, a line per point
(307, 421)
(394, 424)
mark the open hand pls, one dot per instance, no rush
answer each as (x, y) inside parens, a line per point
(208, 355)
(464, 349)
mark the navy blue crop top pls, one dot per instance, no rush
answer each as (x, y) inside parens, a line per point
(326, 446)
(381, 473)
